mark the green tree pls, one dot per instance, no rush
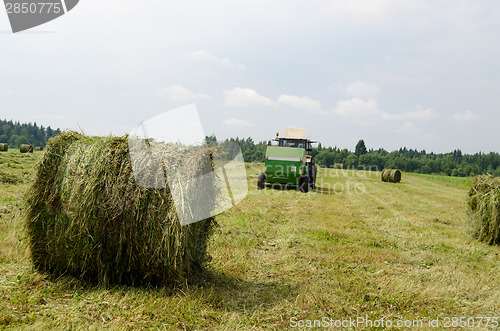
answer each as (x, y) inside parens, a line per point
(325, 158)
(211, 140)
(13, 140)
(21, 140)
(360, 148)
(351, 161)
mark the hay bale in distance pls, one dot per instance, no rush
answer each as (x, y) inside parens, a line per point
(25, 148)
(484, 208)
(87, 217)
(338, 166)
(38, 149)
(391, 175)
(4, 147)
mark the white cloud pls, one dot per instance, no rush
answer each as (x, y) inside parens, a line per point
(238, 122)
(467, 116)
(361, 89)
(206, 57)
(244, 97)
(304, 103)
(178, 93)
(358, 108)
(419, 114)
(367, 112)
(406, 128)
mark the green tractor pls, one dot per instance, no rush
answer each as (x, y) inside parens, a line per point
(289, 163)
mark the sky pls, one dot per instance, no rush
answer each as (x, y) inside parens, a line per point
(416, 73)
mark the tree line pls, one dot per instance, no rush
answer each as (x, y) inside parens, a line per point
(15, 134)
(410, 160)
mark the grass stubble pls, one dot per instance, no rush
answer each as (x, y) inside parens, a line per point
(355, 247)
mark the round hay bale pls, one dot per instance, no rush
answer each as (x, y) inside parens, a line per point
(87, 217)
(484, 208)
(391, 175)
(4, 147)
(38, 149)
(25, 148)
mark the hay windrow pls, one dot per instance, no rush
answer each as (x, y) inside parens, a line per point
(484, 208)
(88, 217)
(391, 175)
(8, 178)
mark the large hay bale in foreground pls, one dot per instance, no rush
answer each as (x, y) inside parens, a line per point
(391, 175)
(87, 217)
(484, 208)
(25, 148)
(4, 147)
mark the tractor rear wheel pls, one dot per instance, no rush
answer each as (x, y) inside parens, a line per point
(312, 170)
(315, 171)
(304, 184)
(261, 181)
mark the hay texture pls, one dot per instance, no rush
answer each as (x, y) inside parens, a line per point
(484, 208)
(25, 148)
(391, 175)
(87, 217)
(8, 178)
(4, 147)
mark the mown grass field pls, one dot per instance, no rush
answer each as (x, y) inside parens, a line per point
(355, 247)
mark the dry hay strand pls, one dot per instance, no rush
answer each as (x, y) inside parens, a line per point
(25, 148)
(4, 147)
(87, 217)
(484, 208)
(391, 175)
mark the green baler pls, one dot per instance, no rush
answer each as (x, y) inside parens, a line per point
(288, 162)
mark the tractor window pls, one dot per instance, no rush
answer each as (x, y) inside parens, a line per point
(292, 143)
